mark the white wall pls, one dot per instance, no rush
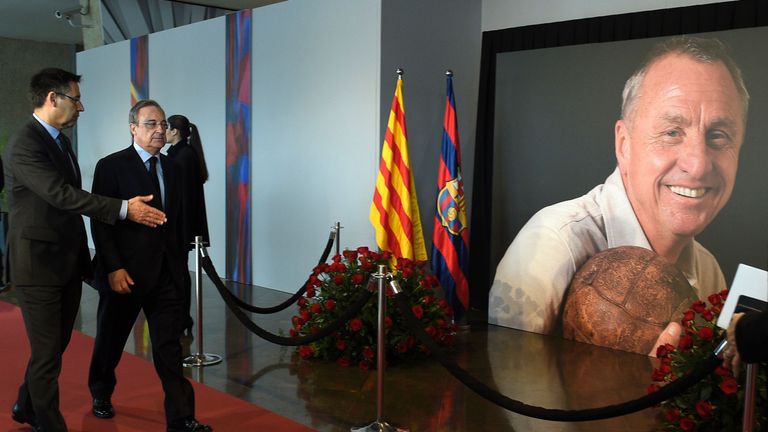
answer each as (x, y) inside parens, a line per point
(500, 14)
(315, 133)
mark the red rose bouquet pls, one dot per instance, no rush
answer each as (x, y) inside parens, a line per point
(716, 402)
(334, 286)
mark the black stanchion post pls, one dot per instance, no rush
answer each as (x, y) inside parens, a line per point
(201, 358)
(379, 425)
(748, 420)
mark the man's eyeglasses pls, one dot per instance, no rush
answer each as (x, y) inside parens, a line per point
(152, 124)
(74, 100)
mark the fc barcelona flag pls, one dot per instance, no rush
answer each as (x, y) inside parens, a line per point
(450, 237)
(395, 211)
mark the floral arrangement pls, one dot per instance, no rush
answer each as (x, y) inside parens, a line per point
(334, 286)
(716, 402)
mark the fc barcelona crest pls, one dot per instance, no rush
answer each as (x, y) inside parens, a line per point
(450, 206)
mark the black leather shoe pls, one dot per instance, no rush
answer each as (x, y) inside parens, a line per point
(20, 417)
(103, 409)
(189, 425)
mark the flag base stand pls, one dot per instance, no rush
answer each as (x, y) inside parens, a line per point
(378, 426)
(204, 359)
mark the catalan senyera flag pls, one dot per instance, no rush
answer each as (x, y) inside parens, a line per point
(395, 210)
(450, 237)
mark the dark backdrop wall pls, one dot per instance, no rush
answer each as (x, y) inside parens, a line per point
(548, 100)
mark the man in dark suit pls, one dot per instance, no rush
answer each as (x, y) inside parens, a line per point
(47, 243)
(141, 269)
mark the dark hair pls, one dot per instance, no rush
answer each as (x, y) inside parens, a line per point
(49, 80)
(133, 114)
(190, 134)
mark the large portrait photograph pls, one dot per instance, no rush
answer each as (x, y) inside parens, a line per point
(629, 181)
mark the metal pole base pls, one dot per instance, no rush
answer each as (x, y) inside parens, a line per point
(378, 426)
(200, 360)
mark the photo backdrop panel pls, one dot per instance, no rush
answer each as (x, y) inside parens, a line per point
(315, 132)
(555, 114)
(187, 77)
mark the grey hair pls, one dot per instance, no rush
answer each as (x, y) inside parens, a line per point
(700, 49)
(133, 114)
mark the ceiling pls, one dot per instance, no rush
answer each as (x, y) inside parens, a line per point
(122, 19)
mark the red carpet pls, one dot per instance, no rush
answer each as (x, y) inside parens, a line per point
(138, 399)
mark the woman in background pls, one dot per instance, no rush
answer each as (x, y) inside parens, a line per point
(187, 151)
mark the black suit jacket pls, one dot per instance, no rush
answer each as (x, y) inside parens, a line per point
(47, 243)
(137, 248)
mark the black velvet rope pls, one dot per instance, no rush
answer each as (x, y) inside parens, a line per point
(676, 387)
(277, 308)
(353, 311)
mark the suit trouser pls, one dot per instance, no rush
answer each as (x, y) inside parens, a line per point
(115, 318)
(49, 314)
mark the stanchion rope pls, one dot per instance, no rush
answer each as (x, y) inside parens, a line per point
(295, 297)
(672, 389)
(228, 297)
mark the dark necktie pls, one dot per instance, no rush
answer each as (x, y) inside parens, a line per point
(157, 200)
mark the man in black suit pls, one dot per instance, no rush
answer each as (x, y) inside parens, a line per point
(47, 243)
(138, 268)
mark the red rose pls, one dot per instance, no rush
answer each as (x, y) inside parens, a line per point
(336, 258)
(672, 415)
(305, 351)
(330, 304)
(387, 322)
(350, 255)
(302, 302)
(305, 315)
(316, 308)
(297, 321)
(364, 365)
(723, 371)
(358, 278)
(706, 333)
(708, 315)
(431, 331)
(368, 352)
(658, 375)
(310, 291)
(686, 342)
(698, 306)
(341, 344)
(407, 272)
(342, 361)
(338, 279)
(293, 333)
(653, 388)
(689, 315)
(729, 386)
(666, 368)
(687, 424)
(363, 250)
(428, 300)
(417, 310)
(355, 324)
(715, 299)
(704, 408)
(401, 347)
(664, 350)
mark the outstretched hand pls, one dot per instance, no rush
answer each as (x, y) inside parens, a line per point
(145, 214)
(670, 335)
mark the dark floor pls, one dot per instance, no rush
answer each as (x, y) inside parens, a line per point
(537, 370)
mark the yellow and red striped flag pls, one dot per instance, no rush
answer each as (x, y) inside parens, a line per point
(395, 209)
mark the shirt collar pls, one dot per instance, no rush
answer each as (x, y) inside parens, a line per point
(143, 154)
(51, 130)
